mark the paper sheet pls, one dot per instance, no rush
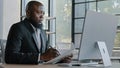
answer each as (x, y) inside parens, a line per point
(57, 59)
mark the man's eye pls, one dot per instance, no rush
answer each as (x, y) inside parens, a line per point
(42, 12)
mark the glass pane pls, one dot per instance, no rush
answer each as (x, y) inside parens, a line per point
(53, 30)
(52, 40)
(79, 25)
(117, 40)
(119, 21)
(63, 21)
(109, 6)
(92, 6)
(79, 10)
(77, 40)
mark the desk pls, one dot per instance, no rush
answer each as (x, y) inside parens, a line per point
(115, 65)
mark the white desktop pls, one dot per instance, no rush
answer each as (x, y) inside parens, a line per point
(98, 36)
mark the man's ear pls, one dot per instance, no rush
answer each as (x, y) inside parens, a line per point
(28, 13)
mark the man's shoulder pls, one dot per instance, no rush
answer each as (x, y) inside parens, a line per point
(19, 24)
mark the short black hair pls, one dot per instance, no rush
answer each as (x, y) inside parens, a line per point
(31, 5)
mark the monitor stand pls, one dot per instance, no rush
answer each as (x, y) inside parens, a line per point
(104, 53)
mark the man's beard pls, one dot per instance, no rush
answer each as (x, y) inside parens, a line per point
(35, 24)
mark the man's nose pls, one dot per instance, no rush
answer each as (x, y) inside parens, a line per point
(41, 16)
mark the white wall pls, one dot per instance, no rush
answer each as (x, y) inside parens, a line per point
(11, 14)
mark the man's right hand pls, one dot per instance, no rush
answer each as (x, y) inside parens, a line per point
(49, 54)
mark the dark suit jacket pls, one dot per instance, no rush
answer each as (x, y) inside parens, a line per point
(21, 47)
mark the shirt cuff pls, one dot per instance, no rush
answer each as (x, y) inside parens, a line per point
(39, 60)
(39, 57)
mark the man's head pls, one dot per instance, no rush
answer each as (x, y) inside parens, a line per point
(35, 11)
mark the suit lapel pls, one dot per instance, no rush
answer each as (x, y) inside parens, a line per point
(43, 42)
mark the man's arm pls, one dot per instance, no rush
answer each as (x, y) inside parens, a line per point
(13, 45)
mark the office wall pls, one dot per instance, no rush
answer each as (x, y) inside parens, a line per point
(1, 18)
(11, 14)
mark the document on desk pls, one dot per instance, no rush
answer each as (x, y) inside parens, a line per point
(57, 59)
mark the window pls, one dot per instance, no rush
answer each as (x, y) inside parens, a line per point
(81, 6)
(62, 12)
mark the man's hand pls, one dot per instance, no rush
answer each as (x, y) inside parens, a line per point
(49, 54)
(67, 59)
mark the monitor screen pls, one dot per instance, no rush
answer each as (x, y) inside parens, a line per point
(97, 27)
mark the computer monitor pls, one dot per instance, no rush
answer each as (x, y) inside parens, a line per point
(97, 27)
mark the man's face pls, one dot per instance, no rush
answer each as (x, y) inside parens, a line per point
(37, 14)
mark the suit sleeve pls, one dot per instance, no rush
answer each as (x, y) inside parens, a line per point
(13, 45)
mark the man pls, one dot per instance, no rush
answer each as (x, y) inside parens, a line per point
(27, 41)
